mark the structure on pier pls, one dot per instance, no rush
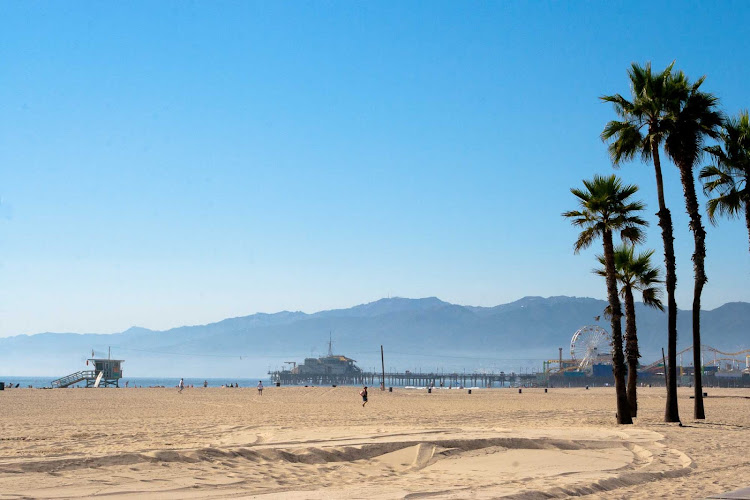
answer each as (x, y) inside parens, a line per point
(336, 369)
(330, 369)
(590, 363)
(105, 373)
(327, 365)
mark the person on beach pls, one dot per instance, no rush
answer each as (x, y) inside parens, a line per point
(205, 384)
(182, 385)
(363, 393)
(260, 388)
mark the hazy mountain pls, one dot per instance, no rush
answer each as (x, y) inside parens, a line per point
(426, 334)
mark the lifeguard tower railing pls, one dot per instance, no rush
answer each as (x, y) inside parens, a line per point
(74, 378)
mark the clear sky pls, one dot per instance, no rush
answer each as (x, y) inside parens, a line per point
(171, 163)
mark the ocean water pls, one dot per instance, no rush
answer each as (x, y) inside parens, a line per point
(39, 382)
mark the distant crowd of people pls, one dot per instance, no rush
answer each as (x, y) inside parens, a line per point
(181, 385)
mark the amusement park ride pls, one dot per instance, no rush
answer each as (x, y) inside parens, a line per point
(591, 346)
(732, 360)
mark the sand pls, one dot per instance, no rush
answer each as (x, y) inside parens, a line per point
(319, 443)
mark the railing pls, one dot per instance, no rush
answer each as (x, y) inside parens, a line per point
(402, 378)
(73, 378)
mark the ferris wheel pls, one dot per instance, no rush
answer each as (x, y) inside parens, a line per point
(589, 344)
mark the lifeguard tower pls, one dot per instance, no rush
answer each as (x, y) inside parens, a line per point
(106, 372)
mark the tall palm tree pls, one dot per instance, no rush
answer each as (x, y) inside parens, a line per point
(605, 207)
(644, 123)
(696, 119)
(728, 178)
(634, 272)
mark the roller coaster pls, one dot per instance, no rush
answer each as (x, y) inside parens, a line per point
(731, 359)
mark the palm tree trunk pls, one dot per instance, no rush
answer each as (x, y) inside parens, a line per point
(699, 256)
(671, 413)
(618, 358)
(747, 216)
(631, 351)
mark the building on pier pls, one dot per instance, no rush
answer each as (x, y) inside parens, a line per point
(327, 365)
(329, 369)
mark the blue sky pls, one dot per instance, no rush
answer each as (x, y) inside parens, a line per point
(170, 163)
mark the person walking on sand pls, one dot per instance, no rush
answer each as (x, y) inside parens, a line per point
(182, 384)
(260, 388)
(363, 393)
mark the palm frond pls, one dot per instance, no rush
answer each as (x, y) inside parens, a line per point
(652, 298)
(697, 118)
(585, 239)
(727, 178)
(648, 117)
(632, 234)
(605, 205)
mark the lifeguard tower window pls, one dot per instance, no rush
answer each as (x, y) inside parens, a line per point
(111, 371)
(110, 368)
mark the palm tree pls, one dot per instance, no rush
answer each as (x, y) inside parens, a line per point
(605, 207)
(644, 123)
(697, 119)
(729, 177)
(634, 273)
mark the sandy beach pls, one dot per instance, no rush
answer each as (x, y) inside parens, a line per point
(318, 442)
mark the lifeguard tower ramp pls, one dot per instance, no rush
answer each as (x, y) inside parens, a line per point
(106, 373)
(74, 378)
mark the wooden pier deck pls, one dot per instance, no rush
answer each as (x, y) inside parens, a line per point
(401, 379)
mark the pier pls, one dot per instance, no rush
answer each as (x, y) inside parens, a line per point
(407, 378)
(589, 365)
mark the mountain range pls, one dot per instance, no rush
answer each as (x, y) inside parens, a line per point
(417, 334)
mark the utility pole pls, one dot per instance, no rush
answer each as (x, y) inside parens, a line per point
(382, 365)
